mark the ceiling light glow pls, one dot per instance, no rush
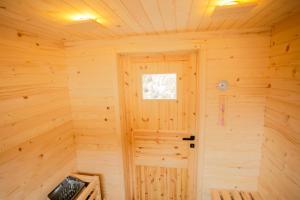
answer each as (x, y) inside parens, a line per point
(228, 2)
(83, 17)
(234, 2)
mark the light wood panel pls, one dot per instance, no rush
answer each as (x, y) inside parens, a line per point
(92, 191)
(280, 165)
(218, 194)
(93, 100)
(232, 152)
(155, 128)
(161, 182)
(134, 17)
(36, 138)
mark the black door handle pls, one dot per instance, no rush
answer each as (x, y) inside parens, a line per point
(192, 137)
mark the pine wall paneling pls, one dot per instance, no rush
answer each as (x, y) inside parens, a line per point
(280, 164)
(120, 18)
(36, 138)
(232, 152)
(155, 127)
(93, 93)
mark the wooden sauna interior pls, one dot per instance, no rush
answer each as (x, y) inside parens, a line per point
(71, 98)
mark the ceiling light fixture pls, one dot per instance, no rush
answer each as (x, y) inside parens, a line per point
(233, 8)
(83, 17)
(234, 2)
(228, 2)
(80, 18)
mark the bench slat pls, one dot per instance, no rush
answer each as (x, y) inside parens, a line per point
(256, 196)
(218, 194)
(236, 195)
(226, 195)
(215, 195)
(245, 195)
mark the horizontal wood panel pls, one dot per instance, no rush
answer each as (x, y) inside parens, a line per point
(93, 104)
(279, 178)
(232, 150)
(232, 156)
(36, 142)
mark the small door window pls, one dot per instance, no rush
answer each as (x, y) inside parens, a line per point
(159, 86)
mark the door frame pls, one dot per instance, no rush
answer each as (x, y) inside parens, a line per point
(200, 106)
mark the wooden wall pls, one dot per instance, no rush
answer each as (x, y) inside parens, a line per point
(231, 152)
(280, 165)
(36, 138)
(93, 99)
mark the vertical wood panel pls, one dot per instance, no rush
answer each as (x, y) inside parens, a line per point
(157, 126)
(161, 183)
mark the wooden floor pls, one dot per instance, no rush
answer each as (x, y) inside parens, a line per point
(234, 195)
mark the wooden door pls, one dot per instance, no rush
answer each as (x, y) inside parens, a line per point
(160, 165)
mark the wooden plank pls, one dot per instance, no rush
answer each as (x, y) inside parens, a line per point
(92, 191)
(278, 177)
(157, 138)
(36, 130)
(219, 194)
(215, 195)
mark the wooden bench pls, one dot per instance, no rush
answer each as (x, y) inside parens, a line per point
(218, 194)
(92, 191)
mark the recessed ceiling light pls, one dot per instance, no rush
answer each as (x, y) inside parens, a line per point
(233, 8)
(228, 2)
(79, 18)
(83, 17)
(234, 2)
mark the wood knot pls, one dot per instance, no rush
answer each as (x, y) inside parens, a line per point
(25, 97)
(269, 85)
(238, 79)
(19, 34)
(41, 155)
(287, 48)
(287, 118)
(37, 44)
(107, 108)
(105, 119)
(145, 119)
(20, 149)
(294, 72)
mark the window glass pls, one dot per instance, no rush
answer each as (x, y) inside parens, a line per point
(159, 86)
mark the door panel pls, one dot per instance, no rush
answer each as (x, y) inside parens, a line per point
(161, 182)
(160, 164)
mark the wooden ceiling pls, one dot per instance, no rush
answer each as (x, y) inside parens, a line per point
(135, 17)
